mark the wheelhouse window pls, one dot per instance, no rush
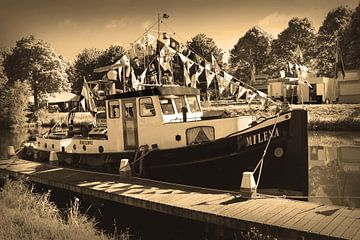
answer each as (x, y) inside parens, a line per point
(179, 103)
(193, 104)
(166, 106)
(198, 135)
(114, 109)
(146, 107)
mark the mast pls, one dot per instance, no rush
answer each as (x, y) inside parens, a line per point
(158, 38)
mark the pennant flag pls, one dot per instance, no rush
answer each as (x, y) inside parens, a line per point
(183, 58)
(146, 40)
(241, 92)
(214, 64)
(120, 72)
(134, 81)
(261, 94)
(186, 76)
(174, 44)
(143, 76)
(223, 81)
(166, 55)
(251, 96)
(209, 77)
(282, 73)
(195, 77)
(87, 95)
(339, 63)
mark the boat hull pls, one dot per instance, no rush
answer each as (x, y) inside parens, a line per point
(220, 164)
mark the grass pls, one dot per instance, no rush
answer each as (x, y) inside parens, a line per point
(50, 119)
(29, 215)
(326, 117)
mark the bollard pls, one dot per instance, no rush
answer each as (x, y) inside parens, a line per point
(124, 169)
(248, 185)
(53, 159)
(10, 151)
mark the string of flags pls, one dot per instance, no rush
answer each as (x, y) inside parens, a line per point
(193, 66)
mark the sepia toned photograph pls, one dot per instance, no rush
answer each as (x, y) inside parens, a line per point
(156, 119)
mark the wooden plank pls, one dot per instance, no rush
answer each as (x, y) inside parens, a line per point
(333, 221)
(294, 216)
(352, 231)
(340, 230)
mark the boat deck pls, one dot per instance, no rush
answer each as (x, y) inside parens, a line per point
(283, 217)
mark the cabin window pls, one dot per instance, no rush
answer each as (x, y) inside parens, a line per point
(166, 106)
(114, 109)
(146, 107)
(180, 103)
(193, 104)
(197, 135)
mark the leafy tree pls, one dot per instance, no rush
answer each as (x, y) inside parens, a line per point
(299, 32)
(205, 46)
(33, 60)
(91, 58)
(351, 44)
(14, 104)
(331, 31)
(252, 48)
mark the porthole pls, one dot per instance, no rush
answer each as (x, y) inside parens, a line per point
(45, 145)
(279, 152)
(84, 147)
(178, 138)
(74, 146)
(52, 146)
(101, 149)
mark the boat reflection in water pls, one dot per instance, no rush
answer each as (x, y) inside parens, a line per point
(334, 168)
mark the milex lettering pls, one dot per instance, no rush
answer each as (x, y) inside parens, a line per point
(261, 137)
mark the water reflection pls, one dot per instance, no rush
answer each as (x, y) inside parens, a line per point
(334, 168)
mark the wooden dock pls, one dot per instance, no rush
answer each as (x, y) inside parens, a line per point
(283, 217)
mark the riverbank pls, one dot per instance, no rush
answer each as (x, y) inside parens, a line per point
(29, 215)
(325, 117)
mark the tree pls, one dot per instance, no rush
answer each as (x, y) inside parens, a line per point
(351, 44)
(33, 60)
(91, 58)
(252, 48)
(331, 31)
(14, 104)
(205, 46)
(300, 34)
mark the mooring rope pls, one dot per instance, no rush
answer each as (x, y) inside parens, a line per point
(261, 162)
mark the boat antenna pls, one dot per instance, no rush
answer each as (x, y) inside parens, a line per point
(164, 16)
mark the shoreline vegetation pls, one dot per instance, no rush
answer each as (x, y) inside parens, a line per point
(324, 117)
(30, 215)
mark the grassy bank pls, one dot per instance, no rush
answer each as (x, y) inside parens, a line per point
(28, 215)
(326, 117)
(49, 119)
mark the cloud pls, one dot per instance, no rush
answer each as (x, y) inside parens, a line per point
(67, 23)
(117, 23)
(274, 23)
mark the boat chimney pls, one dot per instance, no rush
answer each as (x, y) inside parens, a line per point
(248, 185)
(184, 111)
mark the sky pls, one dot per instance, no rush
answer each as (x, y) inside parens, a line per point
(69, 26)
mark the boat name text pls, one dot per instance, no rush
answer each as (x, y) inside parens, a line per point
(261, 137)
(86, 142)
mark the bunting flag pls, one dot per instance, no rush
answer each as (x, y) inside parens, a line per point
(339, 63)
(86, 99)
(143, 76)
(146, 40)
(174, 44)
(241, 92)
(195, 77)
(166, 55)
(261, 94)
(120, 72)
(125, 62)
(215, 65)
(251, 96)
(209, 77)
(223, 81)
(134, 81)
(186, 76)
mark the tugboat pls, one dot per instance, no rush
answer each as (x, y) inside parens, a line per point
(164, 132)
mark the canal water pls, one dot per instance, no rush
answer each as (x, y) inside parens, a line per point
(334, 164)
